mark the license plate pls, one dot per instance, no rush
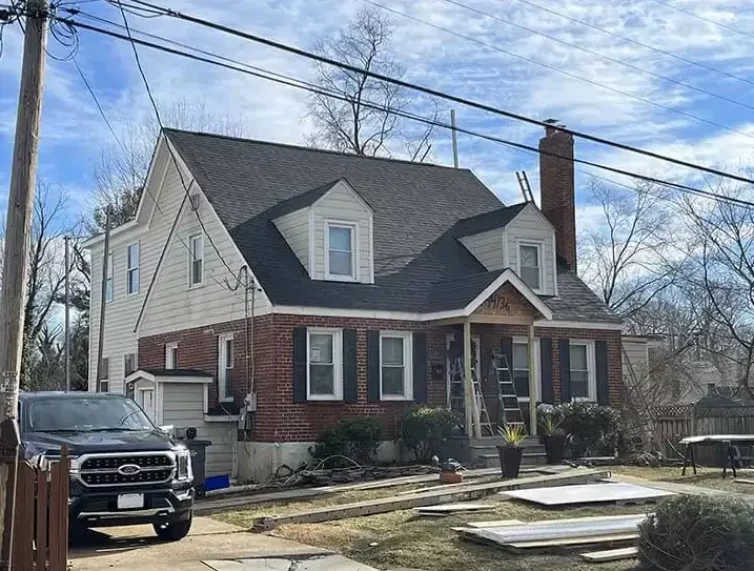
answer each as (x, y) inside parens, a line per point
(130, 501)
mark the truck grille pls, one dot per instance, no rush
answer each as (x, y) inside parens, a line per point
(126, 469)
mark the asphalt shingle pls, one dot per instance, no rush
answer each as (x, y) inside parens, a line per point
(418, 210)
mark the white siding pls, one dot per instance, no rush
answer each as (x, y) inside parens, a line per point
(487, 247)
(295, 229)
(341, 204)
(530, 226)
(183, 407)
(172, 305)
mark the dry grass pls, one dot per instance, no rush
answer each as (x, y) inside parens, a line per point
(705, 477)
(398, 539)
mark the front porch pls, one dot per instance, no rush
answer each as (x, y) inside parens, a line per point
(492, 360)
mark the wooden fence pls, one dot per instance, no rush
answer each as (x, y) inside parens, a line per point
(40, 533)
(674, 423)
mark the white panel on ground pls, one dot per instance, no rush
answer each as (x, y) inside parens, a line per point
(559, 530)
(587, 494)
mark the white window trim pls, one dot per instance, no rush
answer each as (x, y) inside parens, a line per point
(222, 339)
(354, 227)
(537, 368)
(591, 363)
(190, 273)
(168, 348)
(408, 366)
(337, 360)
(109, 277)
(540, 259)
(136, 268)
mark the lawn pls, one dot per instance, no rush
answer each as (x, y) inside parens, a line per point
(398, 539)
(705, 478)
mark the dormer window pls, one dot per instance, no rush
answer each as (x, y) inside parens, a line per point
(530, 264)
(341, 251)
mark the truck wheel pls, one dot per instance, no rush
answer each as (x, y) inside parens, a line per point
(173, 531)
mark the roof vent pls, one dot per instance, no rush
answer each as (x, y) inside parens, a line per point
(195, 201)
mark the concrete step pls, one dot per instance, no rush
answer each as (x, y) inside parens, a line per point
(530, 459)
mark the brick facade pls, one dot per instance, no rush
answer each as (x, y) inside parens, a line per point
(279, 419)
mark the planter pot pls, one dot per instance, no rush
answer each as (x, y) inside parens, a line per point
(555, 448)
(510, 460)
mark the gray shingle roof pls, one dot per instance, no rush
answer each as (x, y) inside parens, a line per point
(415, 207)
(488, 220)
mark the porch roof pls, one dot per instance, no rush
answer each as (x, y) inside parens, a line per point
(170, 376)
(461, 297)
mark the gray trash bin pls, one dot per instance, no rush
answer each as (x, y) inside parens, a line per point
(198, 451)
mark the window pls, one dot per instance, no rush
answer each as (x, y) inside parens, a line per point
(129, 364)
(104, 376)
(395, 366)
(340, 263)
(132, 271)
(171, 356)
(521, 369)
(109, 279)
(583, 380)
(530, 265)
(196, 260)
(225, 367)
(325, 371)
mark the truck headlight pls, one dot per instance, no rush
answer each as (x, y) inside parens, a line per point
(183, 472)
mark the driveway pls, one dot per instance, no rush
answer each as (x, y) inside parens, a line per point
(211, 545)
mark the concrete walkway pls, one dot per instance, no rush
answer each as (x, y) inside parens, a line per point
(211, 545)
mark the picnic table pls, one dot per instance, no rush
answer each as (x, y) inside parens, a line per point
(727, 442)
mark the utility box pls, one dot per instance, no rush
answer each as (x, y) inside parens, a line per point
(198, 451)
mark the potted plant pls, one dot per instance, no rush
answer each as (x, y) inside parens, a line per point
(554, 439)
(511, 451)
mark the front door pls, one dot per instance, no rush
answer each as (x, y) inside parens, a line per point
(145, 399)
(454, 371)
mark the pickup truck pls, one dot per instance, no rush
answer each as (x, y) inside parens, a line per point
(123, 470)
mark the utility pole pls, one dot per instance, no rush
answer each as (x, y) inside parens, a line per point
(17, 238)
(454, 134)
(67, 333)
(103, 298)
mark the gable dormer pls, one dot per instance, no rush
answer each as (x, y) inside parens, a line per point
(330, 230)
(518, 237)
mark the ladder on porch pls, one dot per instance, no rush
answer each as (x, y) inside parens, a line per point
(510, 408)
(458, 394)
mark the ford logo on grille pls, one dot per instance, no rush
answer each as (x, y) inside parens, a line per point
(129, 470)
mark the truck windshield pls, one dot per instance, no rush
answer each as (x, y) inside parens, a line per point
(84, 414)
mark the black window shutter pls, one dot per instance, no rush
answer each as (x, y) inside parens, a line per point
(299, 364)
(545, 357)
(420, 367)
(603, 388)
(350, 377)
(565, 370)
(373, 365)
(506, 344)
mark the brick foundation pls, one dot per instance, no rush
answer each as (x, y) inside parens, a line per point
(279, 419)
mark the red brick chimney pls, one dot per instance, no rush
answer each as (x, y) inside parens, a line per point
(557, 187)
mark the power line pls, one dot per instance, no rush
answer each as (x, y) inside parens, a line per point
(704, 19)
(560, 71)
(436, 93)
(637, 42)
(292, 82)
(170, 149)
(594, 53)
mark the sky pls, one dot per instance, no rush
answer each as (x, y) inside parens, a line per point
(505, 61)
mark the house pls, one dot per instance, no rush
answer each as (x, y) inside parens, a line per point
(282, 288)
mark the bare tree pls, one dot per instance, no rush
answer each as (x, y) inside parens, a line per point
(122, 168)
(365, 117)
(720, 271)
(623, 257)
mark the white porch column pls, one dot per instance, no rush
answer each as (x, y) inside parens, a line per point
(532, 384)
(467, 382)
